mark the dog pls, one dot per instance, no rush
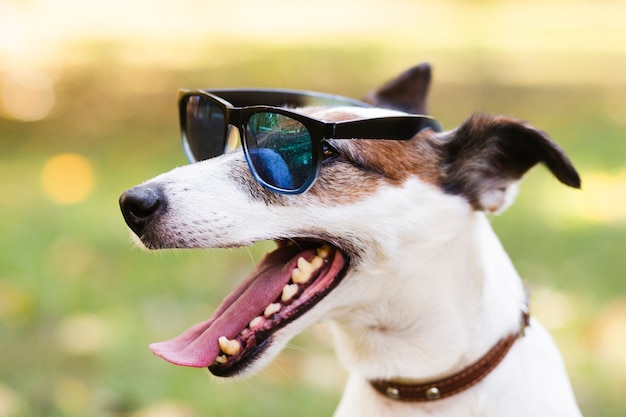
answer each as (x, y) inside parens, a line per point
(427, 311)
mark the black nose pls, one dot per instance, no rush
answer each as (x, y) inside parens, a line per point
(140, 205)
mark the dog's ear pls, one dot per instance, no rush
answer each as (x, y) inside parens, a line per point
(486, 156)
(406, 93)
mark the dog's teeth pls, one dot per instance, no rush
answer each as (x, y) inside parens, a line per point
(271, 309)
(255, 322)
(317, 261)
(229, 347)
(323, 251)
(305, 269)
(305, 266)
(221, 359)
(300, 277)
(289, 291)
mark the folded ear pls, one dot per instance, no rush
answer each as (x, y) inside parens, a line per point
(407, 92)
(486, 156)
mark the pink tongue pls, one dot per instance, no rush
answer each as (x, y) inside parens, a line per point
(197, 346)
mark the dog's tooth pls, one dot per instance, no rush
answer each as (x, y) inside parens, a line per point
(229, 347)
(271, 309)
(317, 261)
(323, 251)
(221, 359)
(255, 322)
(303, 272)
(289, 291)
(305, 266)
(300, 277)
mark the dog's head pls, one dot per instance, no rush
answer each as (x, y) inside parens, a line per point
(374, 198)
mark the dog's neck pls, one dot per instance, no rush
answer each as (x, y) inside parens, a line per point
(435, 313)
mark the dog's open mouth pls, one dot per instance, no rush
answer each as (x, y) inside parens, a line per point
(284, 285)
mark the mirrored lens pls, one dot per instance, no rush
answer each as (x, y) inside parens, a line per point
(204, 136)
(280, 151)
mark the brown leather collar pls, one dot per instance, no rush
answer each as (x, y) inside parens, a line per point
(452, 384)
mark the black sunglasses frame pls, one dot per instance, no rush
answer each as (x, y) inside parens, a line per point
(239, 105)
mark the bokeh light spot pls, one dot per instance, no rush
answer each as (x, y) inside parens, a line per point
(83, 334)
(607, 335)
(27, 95)
(605, 197)
(166, 409)
(16, 305)
(601, 200)
(11, 402)
(72, 396)
(67, 178)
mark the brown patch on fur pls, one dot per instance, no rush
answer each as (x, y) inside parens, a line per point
(366, 165)
(398, 160)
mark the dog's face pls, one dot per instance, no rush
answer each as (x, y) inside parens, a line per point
(374, 202)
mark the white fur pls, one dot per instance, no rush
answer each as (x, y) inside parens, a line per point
(432, 293)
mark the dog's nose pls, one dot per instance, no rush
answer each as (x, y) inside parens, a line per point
(140, 205)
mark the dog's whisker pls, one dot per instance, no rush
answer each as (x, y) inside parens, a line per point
(279, 366)
(298, 348)
(251, 257)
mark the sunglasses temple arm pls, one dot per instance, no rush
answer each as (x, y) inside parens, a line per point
(387, 128)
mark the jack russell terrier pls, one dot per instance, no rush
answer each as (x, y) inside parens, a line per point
(379, 219)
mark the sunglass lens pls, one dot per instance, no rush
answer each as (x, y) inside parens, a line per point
(204, 134)
(280, 151)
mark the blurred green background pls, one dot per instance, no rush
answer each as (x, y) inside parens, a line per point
(87, 109)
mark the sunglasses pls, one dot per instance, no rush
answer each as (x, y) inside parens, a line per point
(283, 148)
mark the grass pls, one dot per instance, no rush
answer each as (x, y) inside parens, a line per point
(79, 304)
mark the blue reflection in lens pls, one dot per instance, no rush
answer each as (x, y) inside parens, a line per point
(271, 167)
(280, 150)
